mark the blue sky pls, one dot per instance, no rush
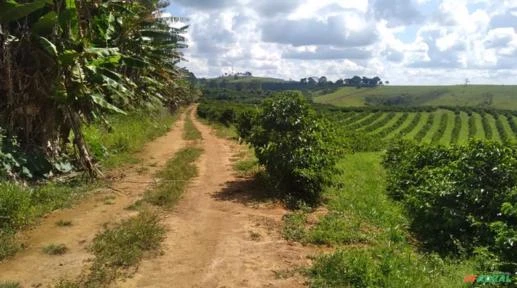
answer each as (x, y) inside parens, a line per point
(407, 42)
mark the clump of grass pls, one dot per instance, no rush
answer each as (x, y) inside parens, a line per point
(294, 226)
(174, 178)
(55, 249)
(67, 284)
(255, 236)
(190, 131)
(10, 285)
(333, 229)
(123, 246)
(387, 266)
(246, 166)
(64, 223)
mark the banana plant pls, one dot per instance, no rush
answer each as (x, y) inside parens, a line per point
(66, 62)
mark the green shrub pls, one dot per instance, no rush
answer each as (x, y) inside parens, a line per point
(12, 163)
(226, 113)
(360, 142)
(295, 147)
(458, 198)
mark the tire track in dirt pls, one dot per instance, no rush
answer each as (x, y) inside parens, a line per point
(216, 238)
(32, 268)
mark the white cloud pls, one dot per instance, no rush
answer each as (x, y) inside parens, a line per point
(404, 41)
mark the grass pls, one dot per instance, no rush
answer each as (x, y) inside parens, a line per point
(480, 131)
(222, 131)
(435, 126)
(121, 247)
(116, 145)
(21, 206)
(55, 249)
(464, 132)
(421, 123)
(190, 131)
(10, 285)
(369, 233)
(446, 139)
(174, 178)
(246, 166)
(502, 97)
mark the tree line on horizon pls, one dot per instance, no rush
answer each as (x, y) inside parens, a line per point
(230, 86)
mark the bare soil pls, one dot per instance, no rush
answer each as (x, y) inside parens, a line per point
(219, 236)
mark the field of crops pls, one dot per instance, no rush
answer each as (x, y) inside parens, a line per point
(488, 96)
(441, 126)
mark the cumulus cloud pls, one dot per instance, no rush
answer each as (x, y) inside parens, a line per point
(397, 12)
(427, 41)
(328, 53)
(506, 19)
(270, 8)
(336, 30)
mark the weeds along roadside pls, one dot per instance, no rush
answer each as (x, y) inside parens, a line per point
(367, 231)
(125, 244)
(22, 205)
(190, 132)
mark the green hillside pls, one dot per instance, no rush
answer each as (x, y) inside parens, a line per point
(233, 79)
(500, 97)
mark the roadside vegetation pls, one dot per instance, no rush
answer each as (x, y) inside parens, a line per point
(190, 132)
(22, 205)
(418, 215)
(99, 81)
(174, 178)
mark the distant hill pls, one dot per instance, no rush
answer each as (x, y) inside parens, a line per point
(249, 79)
(490, 96)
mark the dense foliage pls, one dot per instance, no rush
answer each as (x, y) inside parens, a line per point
(459, 199)
(293, 144)
(64, 63)
(226, 113)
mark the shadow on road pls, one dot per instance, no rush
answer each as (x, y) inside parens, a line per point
(249, 191)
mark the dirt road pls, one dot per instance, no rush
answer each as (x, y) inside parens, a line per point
(217, 236)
